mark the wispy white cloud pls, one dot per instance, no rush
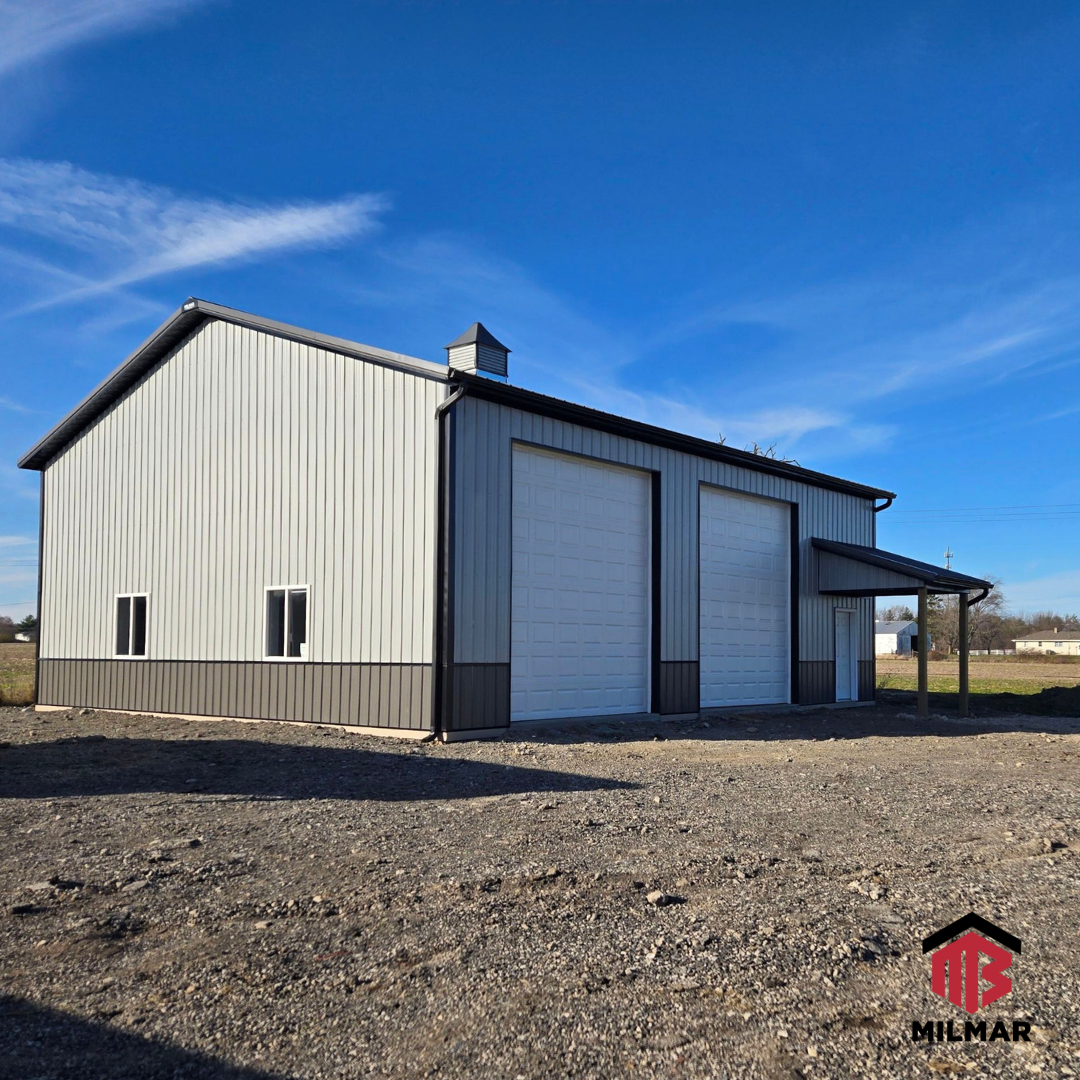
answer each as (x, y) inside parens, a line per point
(106, 233)
(33, 29)
(13, 406)
(561, 350)
(17, 541)
(1054, 592)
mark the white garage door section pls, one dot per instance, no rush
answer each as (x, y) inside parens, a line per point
(579, 639)
(745, 600)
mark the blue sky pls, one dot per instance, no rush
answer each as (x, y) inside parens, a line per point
(850, 230)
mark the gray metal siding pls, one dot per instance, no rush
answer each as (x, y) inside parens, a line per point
(837, 573)
(368, 695)
(484, 433)
(247, 460)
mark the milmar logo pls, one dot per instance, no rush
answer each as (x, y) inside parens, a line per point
(958, 967)
(963, 956)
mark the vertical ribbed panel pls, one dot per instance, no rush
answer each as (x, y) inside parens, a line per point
(247, 460)
(483, 550)
(366, 695)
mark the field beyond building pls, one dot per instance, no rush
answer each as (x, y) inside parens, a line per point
(16, 673)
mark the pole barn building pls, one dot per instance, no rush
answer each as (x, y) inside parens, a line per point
(251, 520)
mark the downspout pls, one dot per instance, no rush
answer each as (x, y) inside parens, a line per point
(873, 614)
(40, 587)
(444, 535)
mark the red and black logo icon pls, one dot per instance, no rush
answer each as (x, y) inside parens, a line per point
(958, 967)
(957, 972)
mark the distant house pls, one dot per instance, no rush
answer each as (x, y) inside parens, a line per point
(896, 638)
(23, 636)
(1063, 642)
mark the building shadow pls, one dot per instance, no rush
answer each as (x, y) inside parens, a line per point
(46, 1044)
(104, 766)
(893, 717)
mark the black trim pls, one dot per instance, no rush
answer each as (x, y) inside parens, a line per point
(971, 921)
(516, 397)
(793, 606)
(40, 579)
(656, 702)
(444, 569)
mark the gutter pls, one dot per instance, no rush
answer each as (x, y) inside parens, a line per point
(443, 636)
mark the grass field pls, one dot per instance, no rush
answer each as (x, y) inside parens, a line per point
(988, 675)
(16, 674)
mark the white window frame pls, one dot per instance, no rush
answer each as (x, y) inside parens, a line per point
(131, 625)
(306, 654)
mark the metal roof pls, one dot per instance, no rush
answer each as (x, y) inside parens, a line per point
(531, 401)
(935, 578)
(194, 312)
(478, 334)
(181, 324)
(1052, 635)
(894, 627)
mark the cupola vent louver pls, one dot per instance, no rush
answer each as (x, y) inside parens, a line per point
(478, 351)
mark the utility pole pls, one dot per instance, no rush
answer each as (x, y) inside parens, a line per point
(948, 558)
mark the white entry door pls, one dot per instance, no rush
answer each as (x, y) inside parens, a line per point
(579, 640)
(847, 668)
(745, 600)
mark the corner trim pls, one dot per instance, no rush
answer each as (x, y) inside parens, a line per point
(40, 582)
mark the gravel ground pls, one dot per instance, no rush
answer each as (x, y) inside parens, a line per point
(198, 899)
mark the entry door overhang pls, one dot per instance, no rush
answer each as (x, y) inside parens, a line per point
(856, 570)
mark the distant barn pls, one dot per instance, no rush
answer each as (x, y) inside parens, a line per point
(896, 638)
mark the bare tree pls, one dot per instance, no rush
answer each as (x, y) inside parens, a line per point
(896, 613)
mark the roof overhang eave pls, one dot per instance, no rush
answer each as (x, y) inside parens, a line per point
(936, 580)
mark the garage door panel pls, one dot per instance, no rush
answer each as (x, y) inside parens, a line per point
(580, 565)
(745, 600)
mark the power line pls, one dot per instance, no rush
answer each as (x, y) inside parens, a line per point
(965, 509)
(1014, 519)
(20, 603)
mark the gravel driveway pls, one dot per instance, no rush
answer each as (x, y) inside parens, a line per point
(740, 898)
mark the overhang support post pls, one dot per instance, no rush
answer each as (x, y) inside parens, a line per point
(924, 695)
(963, 598)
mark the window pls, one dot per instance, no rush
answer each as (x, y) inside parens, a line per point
(131, 625)
(286, 622)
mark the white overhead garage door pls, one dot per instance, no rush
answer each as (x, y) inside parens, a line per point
(745, 600)
(579, 640)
